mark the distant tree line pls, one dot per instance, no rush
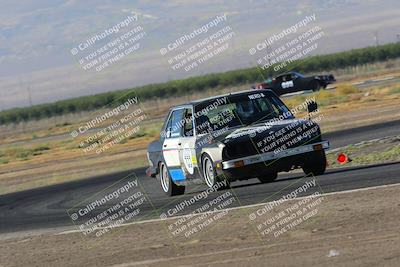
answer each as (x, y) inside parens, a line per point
(197, 84)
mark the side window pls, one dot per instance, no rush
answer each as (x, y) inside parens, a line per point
(167, 127)
(188, 122)
(174, 125)
(264, 106)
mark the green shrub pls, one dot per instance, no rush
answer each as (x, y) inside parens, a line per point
(190, 85)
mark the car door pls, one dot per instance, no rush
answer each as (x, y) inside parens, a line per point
(299, 82)
(277, 81)
(187, 149)
(288, 84)
(277, 85)
(172, 144)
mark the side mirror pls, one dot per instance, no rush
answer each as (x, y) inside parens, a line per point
(312, 106)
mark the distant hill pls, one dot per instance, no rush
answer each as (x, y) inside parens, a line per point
(36, 37)
(201, 83)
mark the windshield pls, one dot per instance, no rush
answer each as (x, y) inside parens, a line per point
(239, 110)
(297, 74)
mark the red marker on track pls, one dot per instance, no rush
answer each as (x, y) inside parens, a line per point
(342, 158)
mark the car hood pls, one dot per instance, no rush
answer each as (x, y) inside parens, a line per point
(266, 137)
(259, 129)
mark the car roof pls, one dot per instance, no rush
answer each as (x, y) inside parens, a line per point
(289, 72)
(198, 101)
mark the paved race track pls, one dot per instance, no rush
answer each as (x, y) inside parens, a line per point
(47, 207)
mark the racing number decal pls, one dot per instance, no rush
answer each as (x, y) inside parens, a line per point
(287, 84)
(256, 96)
(188, 159)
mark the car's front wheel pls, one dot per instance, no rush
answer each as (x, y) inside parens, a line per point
(210, 174)
(167, 185)
(317, 163)
(315, 86)
(268, 178)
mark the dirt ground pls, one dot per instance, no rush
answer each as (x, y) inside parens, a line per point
(355, 228)
(59, 165)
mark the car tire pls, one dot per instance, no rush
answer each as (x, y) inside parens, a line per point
(317, 164)
(268, 178)
(167, 185)
(316, 86)
(210, 174)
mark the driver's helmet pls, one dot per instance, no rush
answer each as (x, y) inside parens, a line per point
(245, 109)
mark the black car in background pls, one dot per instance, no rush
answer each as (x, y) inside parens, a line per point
(293, 82)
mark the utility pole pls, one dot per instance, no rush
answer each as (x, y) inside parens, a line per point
(29, 95)
(376, 37)
(269, 50)
(28, 90)
(1, 101)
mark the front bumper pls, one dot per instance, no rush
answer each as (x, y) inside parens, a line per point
(269, 156)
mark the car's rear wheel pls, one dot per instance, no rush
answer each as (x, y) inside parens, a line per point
(210, 174)
(315, 86)
(268, 178)
(167, 185)
(316, 165)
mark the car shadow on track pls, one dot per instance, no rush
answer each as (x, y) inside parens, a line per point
(296, 176)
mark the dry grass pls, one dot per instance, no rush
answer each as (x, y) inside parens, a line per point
(362, 72)
(346, 89)
(49, 155)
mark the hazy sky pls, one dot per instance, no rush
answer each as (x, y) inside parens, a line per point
(37, 36)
